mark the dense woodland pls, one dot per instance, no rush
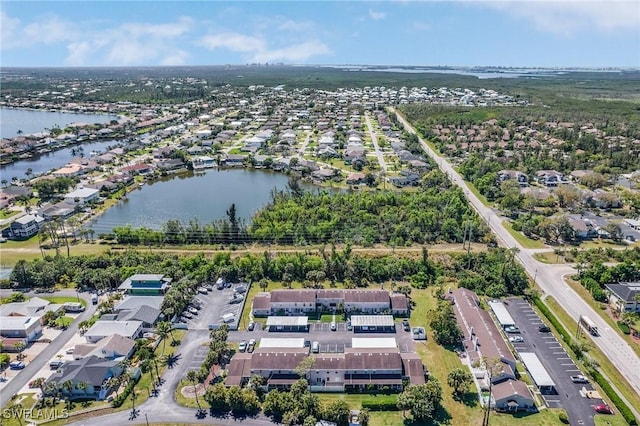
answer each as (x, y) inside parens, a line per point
(493, 272)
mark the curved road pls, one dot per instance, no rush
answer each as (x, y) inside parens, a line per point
(548, 277)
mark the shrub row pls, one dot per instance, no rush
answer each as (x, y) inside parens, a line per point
(120, 399)
(613, 396)
(604, 384)
(623, 327)
(381, 403)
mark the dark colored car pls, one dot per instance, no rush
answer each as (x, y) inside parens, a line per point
(405, 325)
(544, 329)
(251, 326)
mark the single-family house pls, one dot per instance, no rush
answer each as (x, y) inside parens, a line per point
(146, 284)
(26, 226)
(102, 329)
(89, 378)
(24, 327)
(111, 347)
(82, 196)
(625, 296)
(518, 176)
(550, 178)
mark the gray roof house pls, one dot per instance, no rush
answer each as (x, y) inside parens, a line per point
(89, 378)
(114, 347)
(625, 295)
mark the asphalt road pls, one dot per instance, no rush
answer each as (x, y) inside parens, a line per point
(9, 389)
(548, 277)
(374, 140)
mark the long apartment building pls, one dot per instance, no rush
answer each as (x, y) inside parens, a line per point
(357, 368)
(304, 302)
(483, 341)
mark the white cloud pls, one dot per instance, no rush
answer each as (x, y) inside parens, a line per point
(418, 26)
(256, 48)
(47, 30)
(376, 16)
(234, 41)
(569, 17)
(295, 53)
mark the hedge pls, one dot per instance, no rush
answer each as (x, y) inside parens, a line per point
(374, 405)
(625, 411)
(623, 327)
(604, 384)
(120, 399)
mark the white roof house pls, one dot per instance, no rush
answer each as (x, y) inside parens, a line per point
(373, 342)
(81, 196)
(102, 329)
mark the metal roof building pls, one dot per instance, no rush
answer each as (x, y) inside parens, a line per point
(501, 313)
(538, 373)
(373, 323)
(374, 342)
(287, 323)
(270, 342)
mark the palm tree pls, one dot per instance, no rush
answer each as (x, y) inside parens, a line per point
(193, 378)
(82, 386)
(68, 388)
(51, 388)
(163, 329)
(16, 412)
(28, 172)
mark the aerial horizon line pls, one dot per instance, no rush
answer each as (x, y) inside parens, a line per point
(409, 66)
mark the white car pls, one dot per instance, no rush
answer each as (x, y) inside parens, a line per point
(203, 290)
(243, 346)
(69, 350)
(516, 339)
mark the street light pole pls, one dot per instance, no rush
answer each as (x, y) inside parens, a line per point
(146, 418)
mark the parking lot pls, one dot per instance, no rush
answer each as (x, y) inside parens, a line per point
(555, 360)
(329, 341)
(215, 304)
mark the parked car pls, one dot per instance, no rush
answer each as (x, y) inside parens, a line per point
(208, 287)
(603, 409)
(17, 365)
(251, 326)
(187, 315)
(241, 288)
(544, 329)
(192, 310)
(69, 351)
(220, 283)
(579, 379)
(203, 290)
(252, 345)
(349, 326)
(315, 347)
(405, 325)
(242, 347)
(512, 329)
(516, 339)
(334, 326)
(55, 364)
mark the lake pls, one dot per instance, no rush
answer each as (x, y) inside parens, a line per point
(52, 160)
(33, 121)
(204, 196)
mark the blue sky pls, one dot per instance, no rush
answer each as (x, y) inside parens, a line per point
(532, 33)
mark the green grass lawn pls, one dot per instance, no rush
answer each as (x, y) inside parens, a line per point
(477, 193)
(13, 251)
(6, 214)
(598, 307)
(59, 300)
(521, 238)
(64, 321)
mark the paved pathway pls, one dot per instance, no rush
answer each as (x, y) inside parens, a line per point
(374, 140)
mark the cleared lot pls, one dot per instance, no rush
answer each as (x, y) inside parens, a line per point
(556, 361)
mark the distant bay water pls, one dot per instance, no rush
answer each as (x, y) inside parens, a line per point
(34, 121)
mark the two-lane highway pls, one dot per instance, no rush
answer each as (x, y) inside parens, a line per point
(550, 278)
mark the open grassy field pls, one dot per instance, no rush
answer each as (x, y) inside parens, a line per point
(521, 238)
